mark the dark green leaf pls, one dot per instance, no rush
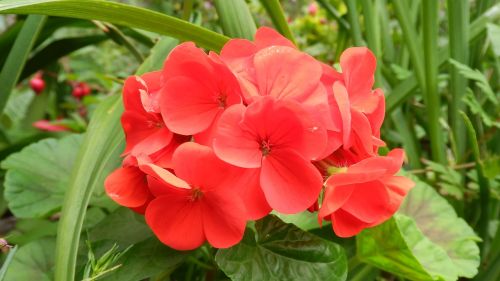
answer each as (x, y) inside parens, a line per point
(478, 77)
(280, 251)
(36, 188)
(123, 226)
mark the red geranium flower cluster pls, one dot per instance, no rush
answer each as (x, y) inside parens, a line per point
(213, 141)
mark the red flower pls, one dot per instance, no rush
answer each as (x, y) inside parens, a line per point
(272, 66)
(270, 135)
(196, 204)
(197, 90)
(359, 109)
(145, 132)
(366, 195)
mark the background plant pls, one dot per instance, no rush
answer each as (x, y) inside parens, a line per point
(438, 63)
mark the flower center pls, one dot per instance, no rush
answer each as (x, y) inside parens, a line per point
(265, 147)
(196, 194)
(221, 100)
(155, 124)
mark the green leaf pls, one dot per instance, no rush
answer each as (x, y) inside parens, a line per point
(37, 176)
(28, 230)
(33, 261)
(122, 226)
(280, 251)
(17, 106)
(478, 77)
(425, 240)
(231, 14)
(450, 181)
(476, 108)
(304, 220)
(120, 14)
(14, 64)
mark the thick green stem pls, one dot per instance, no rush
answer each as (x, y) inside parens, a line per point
(458, 23)
(430, 9)
(352, 13)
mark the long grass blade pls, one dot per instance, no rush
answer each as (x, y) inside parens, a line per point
(326, 4)
(404, 90)
(11, 70)
(7, 262)
(458, 23)
(275, 11)
(484, 185)
(232, 11)
(352, 13)
(103, 138)
(114, 12)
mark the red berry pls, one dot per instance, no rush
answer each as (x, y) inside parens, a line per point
(37, 84)
(80, 90)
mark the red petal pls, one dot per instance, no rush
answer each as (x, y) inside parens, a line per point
(224, 218)
(376, 117)
(358, 68)
(187, 106)
(132, 89)
(284, 72)
(265, 37)
(345, 225)
(162, 181)
(290, 183)
(334, 198)
(198, 165)
(344, 106)
(163, 157)
(362, 133)
(251, 193)
(144, 130)
(127, 186)
(367, 202)
(234, 145)
(187, 60)
(176, 221)
(397, 188)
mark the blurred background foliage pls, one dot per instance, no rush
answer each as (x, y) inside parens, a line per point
(438, 63)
